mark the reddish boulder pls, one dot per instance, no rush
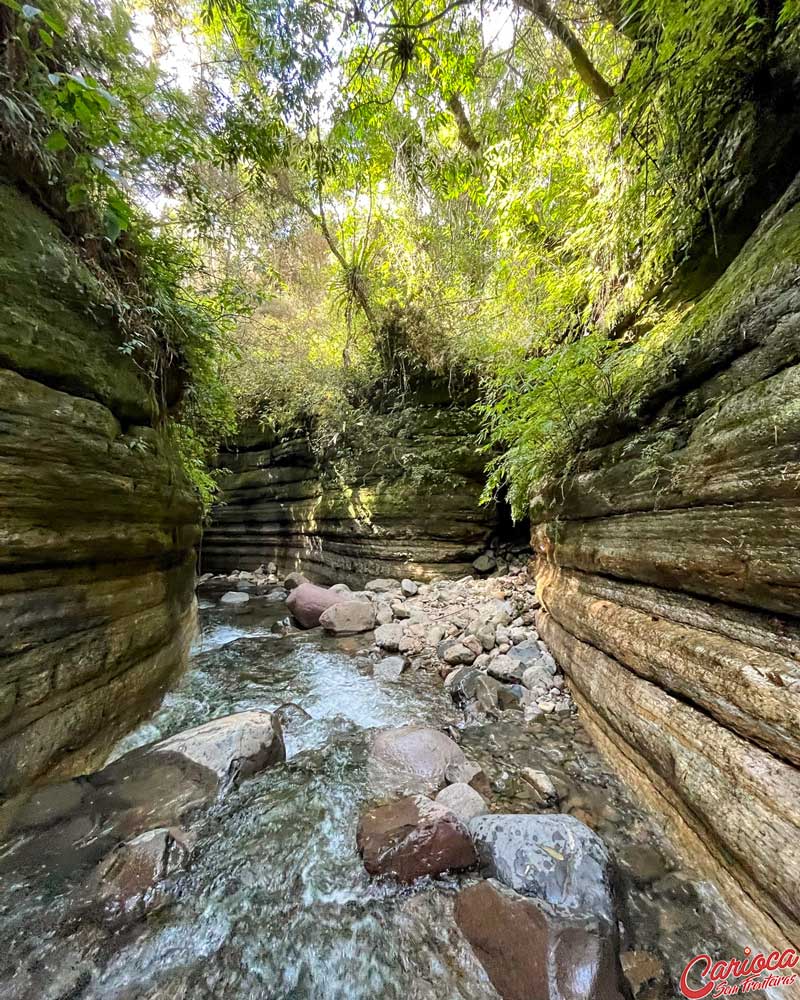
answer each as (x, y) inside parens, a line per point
(128, 879)
(308, 601)
(411, 837)
(530, 954)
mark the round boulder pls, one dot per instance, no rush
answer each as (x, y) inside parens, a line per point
(412, 837)
(413, 759)
(307, 602)
(463, 800)
(348, 617)
(554, 858)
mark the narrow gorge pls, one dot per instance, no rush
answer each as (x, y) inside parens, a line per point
(400, 500)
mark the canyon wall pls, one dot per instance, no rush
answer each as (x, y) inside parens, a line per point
(669, 575)
(97, 523)
(402, 501)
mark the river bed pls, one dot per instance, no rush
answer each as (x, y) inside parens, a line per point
(276, 902)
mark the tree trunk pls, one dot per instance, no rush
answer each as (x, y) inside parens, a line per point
(586, 69)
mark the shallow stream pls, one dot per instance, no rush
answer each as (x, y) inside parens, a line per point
(276, 903)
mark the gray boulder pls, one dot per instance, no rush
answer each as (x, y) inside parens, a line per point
(348, 618)
(527, 652)
(554, 858)
(232, 747)
(537, 678)
(390, 668)
(383, 585)
(463, 800)
(409, 588)
(485, 563)
(455, 652)
(234, 597)
(505, 668)
(294, 580)
(413, 759)
(389, 636)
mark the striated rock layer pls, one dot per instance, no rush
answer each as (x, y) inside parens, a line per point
(404, 502)
(669, 576)
(97, 523)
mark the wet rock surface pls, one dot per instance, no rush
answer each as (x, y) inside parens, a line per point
(413, 837)
(261, 891)
(530, 955)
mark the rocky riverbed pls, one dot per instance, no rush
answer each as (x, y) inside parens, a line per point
(411, 810)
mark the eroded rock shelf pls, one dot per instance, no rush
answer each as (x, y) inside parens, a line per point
(669, 574)
(97, 523)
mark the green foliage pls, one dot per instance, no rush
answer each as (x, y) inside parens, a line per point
(97, 131)
(414, 195)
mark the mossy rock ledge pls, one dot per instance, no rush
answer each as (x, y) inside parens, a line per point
(669, 575)
(400, 499)
(98, 524)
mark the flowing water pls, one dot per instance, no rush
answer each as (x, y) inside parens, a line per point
(275, 903)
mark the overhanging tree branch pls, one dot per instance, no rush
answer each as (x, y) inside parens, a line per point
(586, 69)
(468, 138)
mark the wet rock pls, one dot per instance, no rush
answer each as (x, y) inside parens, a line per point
(409, 588)
(307, 602)
(233, 747)
(486, 694)
(289, 714)
(469, 773)
(541, 784)
(485, 563)
(127, 879)
(528, 652)
(641, 968)
(382, 585)
(234, 597)
(504, 668)
(555, 858)
(413, 759)
(643, 863)
(530, 954)
(463, 800)
(162, 785)
(294, 580)
(510, 695)
(48, 805)
(412, 837)
(390, 668)
(389, 636)
(348, 618)
(461, 684)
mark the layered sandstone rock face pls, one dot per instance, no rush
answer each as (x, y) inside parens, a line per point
(403, 500)
(97, 523)
(669, 575)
